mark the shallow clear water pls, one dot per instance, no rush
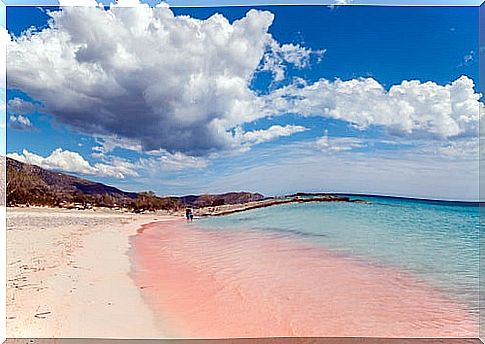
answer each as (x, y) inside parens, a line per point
(436, 242)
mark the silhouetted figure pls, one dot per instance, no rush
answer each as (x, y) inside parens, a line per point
(188, 213)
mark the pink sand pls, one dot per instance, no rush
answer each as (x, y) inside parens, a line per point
(210, 284)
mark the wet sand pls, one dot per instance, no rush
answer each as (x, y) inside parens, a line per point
(212, 284)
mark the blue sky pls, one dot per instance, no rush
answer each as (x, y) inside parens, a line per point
(309, 109)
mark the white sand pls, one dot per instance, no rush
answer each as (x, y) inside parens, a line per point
(67, 275)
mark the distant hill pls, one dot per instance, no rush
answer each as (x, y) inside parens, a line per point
(199, 201)
(33, 185)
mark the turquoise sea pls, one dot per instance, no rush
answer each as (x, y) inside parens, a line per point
(435, 241)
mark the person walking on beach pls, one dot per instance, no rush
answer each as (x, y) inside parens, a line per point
(189, 215)
(188, 212)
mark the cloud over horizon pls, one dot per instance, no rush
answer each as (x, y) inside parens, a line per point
(412, 107)
(67, 161)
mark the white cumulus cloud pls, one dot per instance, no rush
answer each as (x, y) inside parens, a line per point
(67, 161)
(273, 132)
(170, 82)
(412, 107)
(277, 56)
(20, 122)
(182, 85)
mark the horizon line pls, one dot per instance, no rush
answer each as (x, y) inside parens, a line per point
(412, 198)
(341, 194)
(349, 193)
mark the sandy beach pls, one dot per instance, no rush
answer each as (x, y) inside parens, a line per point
(68, 275)
(106, 274)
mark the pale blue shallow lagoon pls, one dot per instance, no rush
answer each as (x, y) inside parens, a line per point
(437, 242)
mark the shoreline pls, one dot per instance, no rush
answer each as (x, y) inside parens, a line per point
(68, 275)
(271, 202)
(246, 284)
(216, 210)
(76, 273)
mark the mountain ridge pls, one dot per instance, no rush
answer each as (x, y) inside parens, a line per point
(33, 185)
